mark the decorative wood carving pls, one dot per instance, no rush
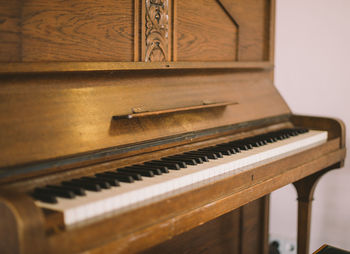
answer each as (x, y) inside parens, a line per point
(156, 30)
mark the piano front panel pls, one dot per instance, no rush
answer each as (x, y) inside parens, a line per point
(236, 232)
(69, 114)
(135, 30)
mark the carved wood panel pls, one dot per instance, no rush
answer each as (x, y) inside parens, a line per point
(155, 45)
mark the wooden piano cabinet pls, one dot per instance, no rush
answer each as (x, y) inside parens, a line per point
(243, 230)
(90, 86)
(143, 228)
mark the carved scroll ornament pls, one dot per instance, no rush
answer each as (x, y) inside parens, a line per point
(156, 32)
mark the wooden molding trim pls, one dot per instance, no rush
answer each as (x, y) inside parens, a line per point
(44, 67)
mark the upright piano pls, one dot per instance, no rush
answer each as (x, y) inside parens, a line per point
(149, 126)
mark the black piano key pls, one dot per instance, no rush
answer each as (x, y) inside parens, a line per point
(197, 158)
(218, 154)
(76, 190)
(209, 155)
(203, 157)
(293, 133)
(244, 146)
(135, 176)
(253, 142)
(55, 192)
(227, 147)
(82, 184)
(275, 139)
(103, 184)
(126, 178)
(262, 142)
(110, 180)
(163, 169)
(178, 160)
(271, 139)
(236, 149)
(45, 198)
(155, 170)
(280, 137)
(181, 164)
(169, 165)
(143, 172)
(223, 151)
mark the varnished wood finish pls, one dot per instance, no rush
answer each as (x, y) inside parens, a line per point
(10, 31)
(21, 226)
(158, 222)
(335, 127)
(28, 181)
(199, 21)
(221, 235)
(305, 189)
(16, 68)
(70, 114)
(68, 67)
(206, 30)
(254, 21)
(70, 30)
(238, 232)
(254, 226)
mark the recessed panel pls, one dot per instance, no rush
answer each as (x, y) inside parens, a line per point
(77, 30)
(203, 31)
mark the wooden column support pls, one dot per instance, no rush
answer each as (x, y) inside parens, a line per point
(22, 228)
(305, 189)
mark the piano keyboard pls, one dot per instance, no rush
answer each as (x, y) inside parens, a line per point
(126, 188)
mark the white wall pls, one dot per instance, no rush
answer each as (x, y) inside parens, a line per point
(313, 75)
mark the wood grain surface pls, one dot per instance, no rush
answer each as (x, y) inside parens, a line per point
(71, 114)
(57, 67)
(254, 20)
(10, 31)
(103, 31)
(37, 31)
(236, 232)
(204, 32)
(68, 67)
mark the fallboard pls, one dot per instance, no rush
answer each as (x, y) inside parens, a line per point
(58, 115)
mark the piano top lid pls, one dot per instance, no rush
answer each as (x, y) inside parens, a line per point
(198, 67)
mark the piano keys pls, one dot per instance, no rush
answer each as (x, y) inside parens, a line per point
(184, 173)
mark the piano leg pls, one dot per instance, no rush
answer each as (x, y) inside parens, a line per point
(305, 189)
